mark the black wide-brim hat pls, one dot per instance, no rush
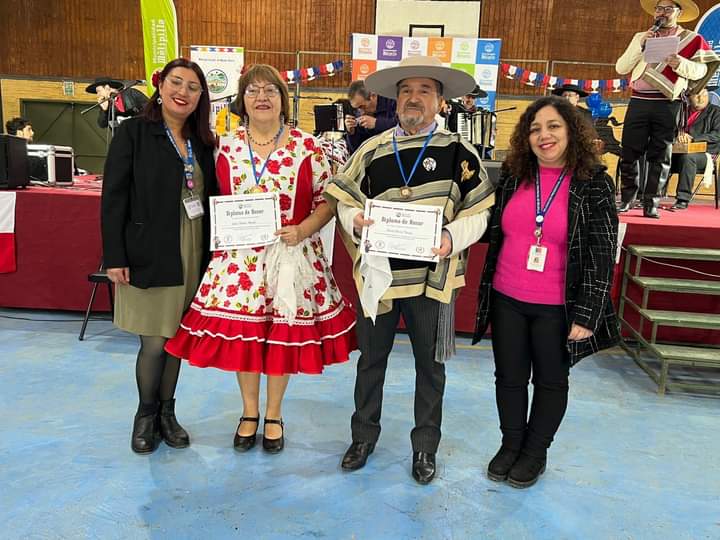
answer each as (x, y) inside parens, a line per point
(478, 92)
(102, 81)
(569, 88)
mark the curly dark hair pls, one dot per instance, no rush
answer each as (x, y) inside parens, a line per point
(581, 155)
(198, 123)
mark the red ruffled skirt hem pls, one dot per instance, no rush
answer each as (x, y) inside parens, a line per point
(264, 346)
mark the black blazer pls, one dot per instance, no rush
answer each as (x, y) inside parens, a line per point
(592, 241)
(707, 128)
(141, 203)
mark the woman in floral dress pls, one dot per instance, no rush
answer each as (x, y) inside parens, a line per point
(277, 309)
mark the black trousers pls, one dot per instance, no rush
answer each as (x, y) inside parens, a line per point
(650, 128)
(376, 341)
(687, 166)
(529, 338)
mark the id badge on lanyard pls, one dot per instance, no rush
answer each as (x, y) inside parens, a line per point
(537, 254)
(192, 204)
(193, 207)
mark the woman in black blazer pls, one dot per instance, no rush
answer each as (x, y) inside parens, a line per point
(159, 173)
(546, 290)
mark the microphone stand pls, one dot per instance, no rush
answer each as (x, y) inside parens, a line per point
(112, 122)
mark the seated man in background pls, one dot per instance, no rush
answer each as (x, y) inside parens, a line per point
(703, 125)
(20, 127)
(573, 93)
(373, 114)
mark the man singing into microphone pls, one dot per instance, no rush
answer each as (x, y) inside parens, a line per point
(129, 103)
(651, 120)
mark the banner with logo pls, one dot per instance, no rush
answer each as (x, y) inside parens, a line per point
(478, 57)
(709, 28)
(222, 67)
(160, 35)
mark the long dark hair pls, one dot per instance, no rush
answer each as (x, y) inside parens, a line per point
(198, 123)
(581, 155)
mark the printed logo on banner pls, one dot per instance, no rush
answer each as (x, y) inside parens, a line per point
(365, 46)
(389, 48)
(488, 51)
(362, 68)
(414, 46)
(486, 76)
(487, 102)
(217, 81)
(464, 51)
(440, 48)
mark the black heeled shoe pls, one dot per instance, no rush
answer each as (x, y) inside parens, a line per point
(423, 467)
(274, 446)
(170, 430)
(243, 443)
(500, 465)
(146, 430)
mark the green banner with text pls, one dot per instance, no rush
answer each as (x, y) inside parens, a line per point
(160, 35)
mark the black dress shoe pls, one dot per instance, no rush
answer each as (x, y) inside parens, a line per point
(423, 468)
(274, 446)
(526, 471)
(625, 207)
(356, 455)
(146, 432)
(651, 212)
(500, 465)
(680, 205)
(170, 430)
(243, 443)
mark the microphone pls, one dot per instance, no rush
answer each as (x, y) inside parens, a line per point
(658, 24)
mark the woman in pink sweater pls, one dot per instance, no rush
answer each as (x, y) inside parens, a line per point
(546, 284)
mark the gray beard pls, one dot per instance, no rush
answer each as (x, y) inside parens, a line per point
(408, 122)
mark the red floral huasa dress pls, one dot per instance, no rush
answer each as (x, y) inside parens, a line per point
(233, 322)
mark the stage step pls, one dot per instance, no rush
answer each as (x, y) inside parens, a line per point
(682, 318)
(695, 355)
(664, 252)
(694, 286)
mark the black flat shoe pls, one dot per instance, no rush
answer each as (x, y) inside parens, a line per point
(526, 471)
(356, 455)
(423, 468)
(243, 443)
(680, 205)
(274, 446)
(651, 212)
(170, 430)
(146, 433)
(500, 465)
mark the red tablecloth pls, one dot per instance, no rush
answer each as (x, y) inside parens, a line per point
(57, 235)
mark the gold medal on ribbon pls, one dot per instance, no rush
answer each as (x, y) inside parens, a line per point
(405, 192)
(256, 189)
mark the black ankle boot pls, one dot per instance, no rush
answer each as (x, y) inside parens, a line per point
(526, 471)
(172, 433)
(146, 429)
(500, 465)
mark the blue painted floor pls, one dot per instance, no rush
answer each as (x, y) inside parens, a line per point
(627, 463)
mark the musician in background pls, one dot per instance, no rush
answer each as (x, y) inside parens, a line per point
(703, 125)
(573, 93)
(20, 127)
(459, 114)
(465, 105)
(373, 115)
(130, 103)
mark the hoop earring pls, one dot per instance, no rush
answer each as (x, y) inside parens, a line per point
(159, 100)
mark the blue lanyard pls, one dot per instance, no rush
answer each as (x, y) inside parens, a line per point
(189, 167)
(540, 213)
(257, 177)
(407, 179)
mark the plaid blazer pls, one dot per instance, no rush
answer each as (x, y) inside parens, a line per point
(592, 242)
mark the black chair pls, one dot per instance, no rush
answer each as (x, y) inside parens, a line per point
(96, 278)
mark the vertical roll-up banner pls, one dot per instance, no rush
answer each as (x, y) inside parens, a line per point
(160, 35)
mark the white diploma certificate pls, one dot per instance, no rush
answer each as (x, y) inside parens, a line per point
(244, 221)
(658, 49)
(402, 230)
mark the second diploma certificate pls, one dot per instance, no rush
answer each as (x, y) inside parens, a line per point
(244, 221)
(402, 230)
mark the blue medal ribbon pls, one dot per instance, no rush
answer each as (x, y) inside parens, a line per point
(252, 157)
(407, 179)
(188, 165)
